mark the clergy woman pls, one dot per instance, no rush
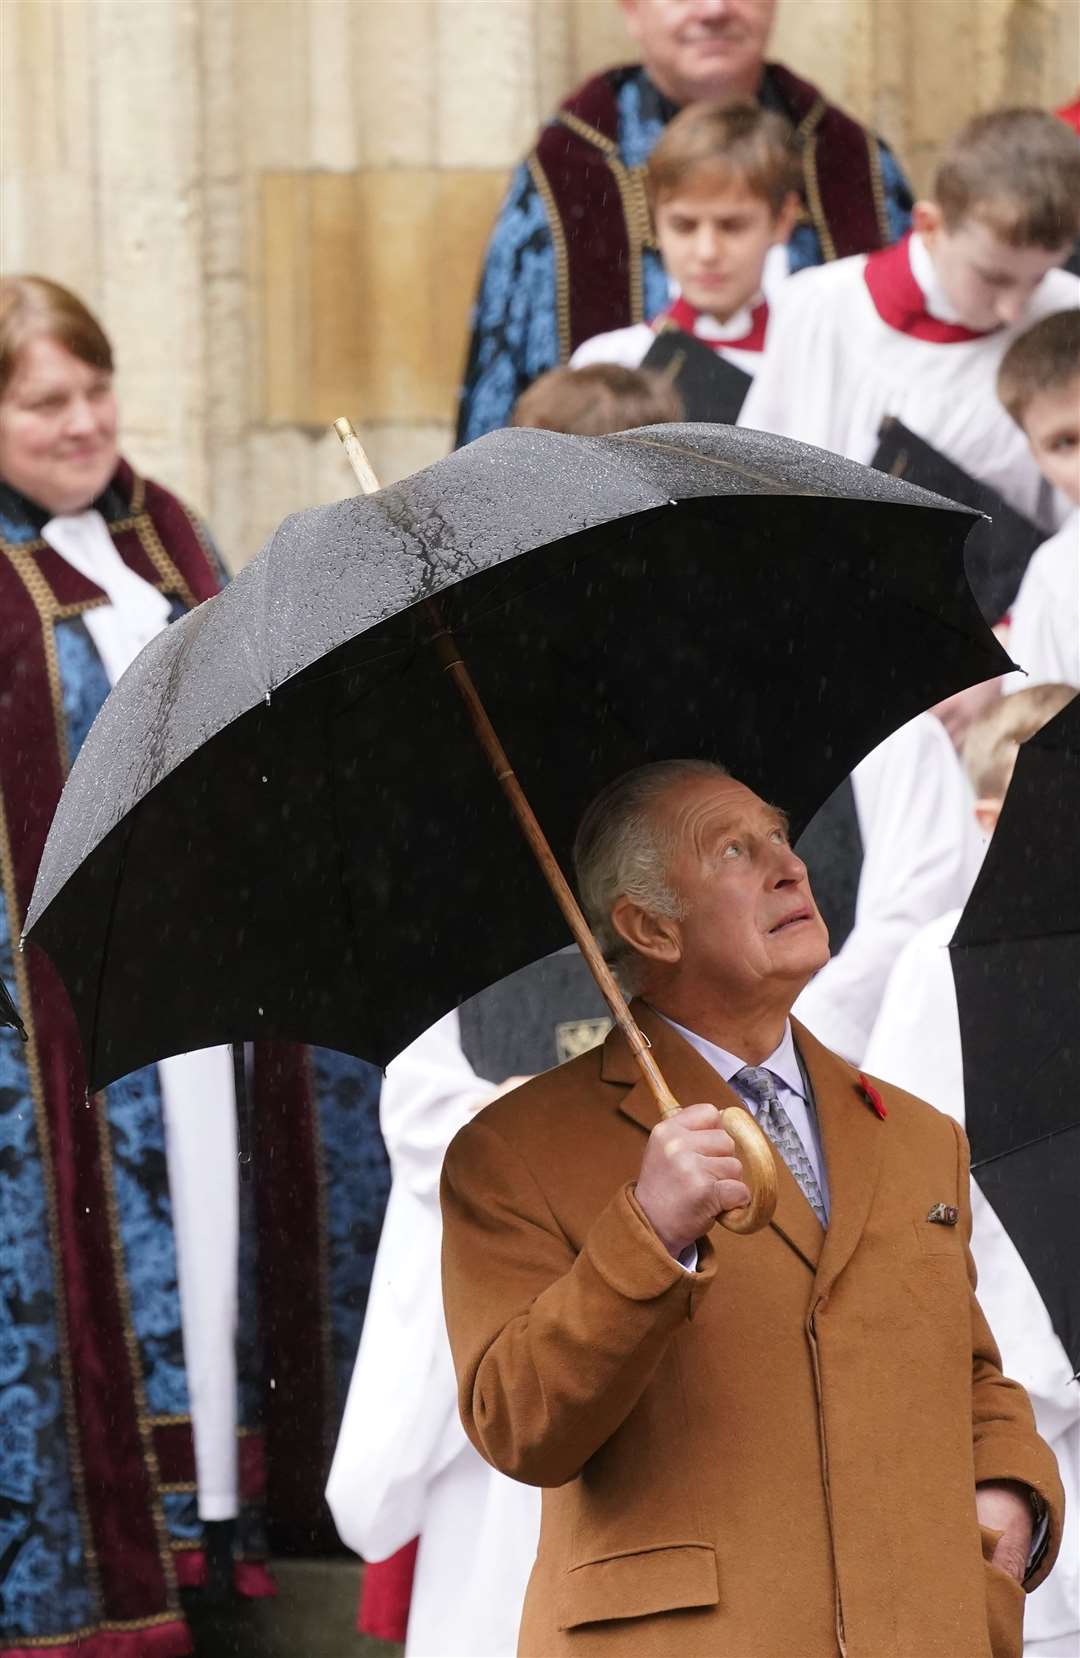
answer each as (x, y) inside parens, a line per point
(127, 1460)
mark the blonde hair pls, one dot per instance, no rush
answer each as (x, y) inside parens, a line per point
(1043, 358)
(993, 742)
(1018, 172)
(729, 142)
(604, 397)
(33, 305)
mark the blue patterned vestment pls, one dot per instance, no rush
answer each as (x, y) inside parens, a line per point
(51, 1585)
(515, 334)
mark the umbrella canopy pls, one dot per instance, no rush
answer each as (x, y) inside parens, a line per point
(280, 823)
(1015, 957)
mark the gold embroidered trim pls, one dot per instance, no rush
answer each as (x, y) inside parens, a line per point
(877, 189)
(171, 579)
(562, 262)
(39, 543)
(167, 1421)
(806, 137)
(635, 208)
(813, 197)
(41, 595)
(75, 1637)
(811, 120)
(48, 605)
(214, 558)
(176, 1488)
(41, 1123)
(591, 135)
(630, 183)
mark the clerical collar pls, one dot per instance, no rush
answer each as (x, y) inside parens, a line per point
(907, 296)
(745, 330)
(783, 1062)
(21, 513)
(655, 105)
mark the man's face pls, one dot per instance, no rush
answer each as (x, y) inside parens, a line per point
(988, 282)
(697, 49)
(713, 240)
(750, 918)
(1052, 424)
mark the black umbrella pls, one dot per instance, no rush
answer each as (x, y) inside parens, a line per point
(1016, 960)
(281, 824)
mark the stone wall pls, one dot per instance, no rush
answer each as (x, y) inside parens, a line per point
(279, 207)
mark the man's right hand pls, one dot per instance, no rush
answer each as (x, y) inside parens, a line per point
(689, 1175)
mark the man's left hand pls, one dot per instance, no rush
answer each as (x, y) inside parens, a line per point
(1005, 1506)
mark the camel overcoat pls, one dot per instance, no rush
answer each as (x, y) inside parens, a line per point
(774, 1456)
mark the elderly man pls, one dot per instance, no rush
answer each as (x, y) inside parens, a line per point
(572, 256)
(788, 1445)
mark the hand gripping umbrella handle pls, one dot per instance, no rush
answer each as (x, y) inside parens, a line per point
(751, 1145)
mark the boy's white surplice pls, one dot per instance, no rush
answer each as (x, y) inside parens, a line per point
(740, 339)
(834, 369)
(916, 1044)
(403, 1466)
(1044, 627)
(914, 808)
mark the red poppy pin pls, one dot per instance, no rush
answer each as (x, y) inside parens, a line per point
(872, 1097)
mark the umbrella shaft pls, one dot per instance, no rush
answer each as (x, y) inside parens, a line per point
(751, 1145)
(446, 650)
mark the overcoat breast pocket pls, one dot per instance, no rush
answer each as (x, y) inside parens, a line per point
(935, 1238)
(639, 1583)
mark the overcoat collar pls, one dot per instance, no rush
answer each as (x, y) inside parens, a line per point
(850, 1133)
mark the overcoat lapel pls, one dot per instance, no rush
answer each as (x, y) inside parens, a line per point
(852, 1139)
(691, 1079)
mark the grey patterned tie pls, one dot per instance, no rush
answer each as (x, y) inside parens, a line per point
(758, 1085)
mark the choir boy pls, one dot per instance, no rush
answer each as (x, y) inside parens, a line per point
(723, 187)
(1039, 384)
(917, 331)
(603, 397)
(916, 1046)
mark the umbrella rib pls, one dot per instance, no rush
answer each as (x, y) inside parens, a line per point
(722, 465)
(308, 678)
(1012, 1151)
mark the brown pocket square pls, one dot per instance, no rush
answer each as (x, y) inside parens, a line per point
(944, 1214)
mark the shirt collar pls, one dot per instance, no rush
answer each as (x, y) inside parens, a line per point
(705, 327)
(783, 1062)
(736, 327)
(922, 269)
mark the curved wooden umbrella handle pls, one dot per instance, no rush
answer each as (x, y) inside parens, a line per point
(754, 1150)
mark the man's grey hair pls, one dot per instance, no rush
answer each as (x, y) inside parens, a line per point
(621, 847)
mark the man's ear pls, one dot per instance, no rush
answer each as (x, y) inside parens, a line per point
(656, 937)
(786, 219)
(927, 219)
